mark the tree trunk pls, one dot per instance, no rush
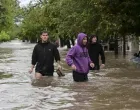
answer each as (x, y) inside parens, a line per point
(124, 45)
(72, 41)
(116, 45)
(61, 42)
(68, 44)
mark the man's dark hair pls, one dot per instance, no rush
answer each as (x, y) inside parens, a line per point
(43, 32)
(94, 36)
(90, 39)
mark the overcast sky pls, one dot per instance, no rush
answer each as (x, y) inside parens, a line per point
(24, 2)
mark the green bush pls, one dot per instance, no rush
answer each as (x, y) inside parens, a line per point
(4, 36)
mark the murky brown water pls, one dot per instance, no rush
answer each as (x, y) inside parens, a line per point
(115, 87)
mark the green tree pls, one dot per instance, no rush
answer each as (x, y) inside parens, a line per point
(7, 15)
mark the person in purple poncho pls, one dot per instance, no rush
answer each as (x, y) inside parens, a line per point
(78, 58)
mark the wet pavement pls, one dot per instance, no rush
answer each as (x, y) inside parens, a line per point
(116, 87)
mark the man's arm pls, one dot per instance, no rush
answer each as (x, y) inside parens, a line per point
(57, 57)
(34, 56)
(56, 54)
(102, 55)
(69, 58)
(70, 55)
(34, 59)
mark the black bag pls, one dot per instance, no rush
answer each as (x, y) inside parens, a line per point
(60, 73)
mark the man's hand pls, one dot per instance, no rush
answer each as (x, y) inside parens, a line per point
(92, 65)
(102, 66)
(31, 70)
(59, 66)
(73, 67)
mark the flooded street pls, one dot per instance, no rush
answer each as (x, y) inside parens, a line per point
(116, 87)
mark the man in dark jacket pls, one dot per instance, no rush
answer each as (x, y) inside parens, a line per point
(95, 50)
(43, 57)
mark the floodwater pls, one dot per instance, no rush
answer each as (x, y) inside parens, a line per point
(116, 87)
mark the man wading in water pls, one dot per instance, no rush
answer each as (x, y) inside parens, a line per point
(78, 58)
(95, 50)
(43, 57)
